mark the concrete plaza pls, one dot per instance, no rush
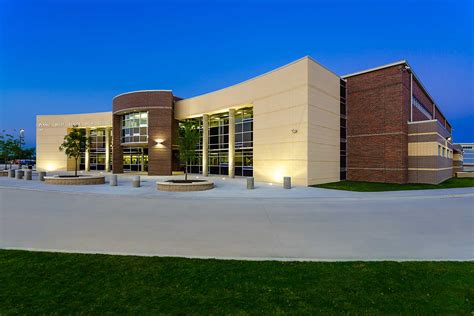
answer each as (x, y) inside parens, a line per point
(232, 222)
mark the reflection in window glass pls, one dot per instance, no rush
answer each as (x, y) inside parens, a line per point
(135, 127)
(219, 144)
(96, 151)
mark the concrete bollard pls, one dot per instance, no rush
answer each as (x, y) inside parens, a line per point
(19, 174)
(136, 181)
(28, 174)
(42, 174)
(113, 180)
(286, 182)
(250, 183)
(11, 173)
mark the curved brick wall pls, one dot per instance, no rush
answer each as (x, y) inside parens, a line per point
(159, 105)
(142, 100)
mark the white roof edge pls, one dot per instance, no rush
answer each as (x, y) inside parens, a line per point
(400, 62)
(424, 121)
(264, 74)
(140, 91)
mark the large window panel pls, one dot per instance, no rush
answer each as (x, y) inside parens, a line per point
(135, 127)
(218, 150)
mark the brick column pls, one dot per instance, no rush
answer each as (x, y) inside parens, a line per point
(117, 152)
(107, 149)
(232, 143)
(88, 150)
(205, 144)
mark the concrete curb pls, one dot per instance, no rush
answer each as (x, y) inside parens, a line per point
(296, 198)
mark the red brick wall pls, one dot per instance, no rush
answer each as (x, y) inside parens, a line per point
(439, 117)
(159, 105)
(424, 99)
(378, 111)
(160, 123)
(418, 115)
(117, 150)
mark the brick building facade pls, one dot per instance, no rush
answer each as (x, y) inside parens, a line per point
(395, 131)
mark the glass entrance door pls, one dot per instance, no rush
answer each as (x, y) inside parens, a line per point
(135, 159)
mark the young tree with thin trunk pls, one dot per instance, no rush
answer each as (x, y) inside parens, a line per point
(75, 142)
(187, 141)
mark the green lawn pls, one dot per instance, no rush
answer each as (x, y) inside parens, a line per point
(378, 187)
(52, 283)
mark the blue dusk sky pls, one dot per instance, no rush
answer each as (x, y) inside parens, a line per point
(59, 57)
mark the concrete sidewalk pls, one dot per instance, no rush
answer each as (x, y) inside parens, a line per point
(224, 188)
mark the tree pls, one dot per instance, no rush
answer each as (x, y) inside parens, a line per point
(28, 153)
(10, 148)
(187, 141)
(75, 142)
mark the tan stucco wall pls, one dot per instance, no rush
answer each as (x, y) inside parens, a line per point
(50, 132)
(324, 125)
(281, 106)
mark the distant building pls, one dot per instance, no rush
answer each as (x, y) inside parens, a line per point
(468, 155)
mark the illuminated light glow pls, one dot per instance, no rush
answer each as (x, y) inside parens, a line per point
(270, 183)
(50, 167)
(159, 142)
(223, 178)
(278, 175)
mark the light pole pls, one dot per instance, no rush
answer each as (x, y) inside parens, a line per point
(22, 136)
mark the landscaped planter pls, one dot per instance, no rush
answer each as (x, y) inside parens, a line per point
(72, 180)
(184, 186)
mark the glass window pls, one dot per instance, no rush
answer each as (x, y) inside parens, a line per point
(135, 127)
(97, 151)
(219, 143)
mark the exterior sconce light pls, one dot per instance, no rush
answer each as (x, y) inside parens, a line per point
(294, 130)
(159, 142)
(448, 139)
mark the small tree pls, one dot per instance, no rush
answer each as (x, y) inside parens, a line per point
(10, 148)
(187, 142)
(75, 142)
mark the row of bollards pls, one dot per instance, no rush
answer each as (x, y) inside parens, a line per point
(113, 180)
(25, 174)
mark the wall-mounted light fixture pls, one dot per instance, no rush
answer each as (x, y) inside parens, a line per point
(294, 130)
(159, 142)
